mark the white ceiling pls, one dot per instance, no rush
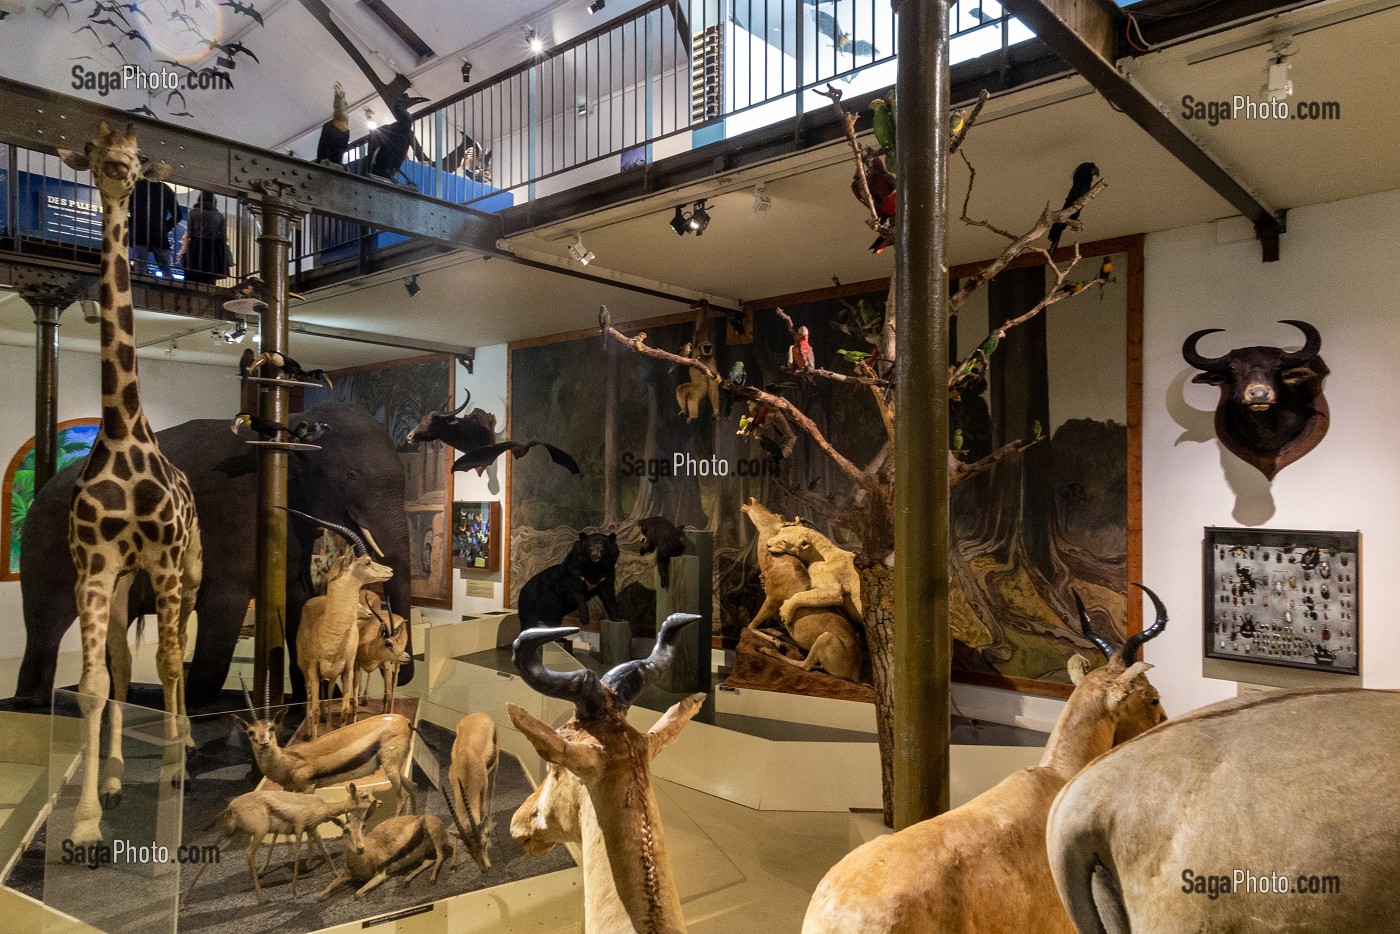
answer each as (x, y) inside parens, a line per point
(1024, 150)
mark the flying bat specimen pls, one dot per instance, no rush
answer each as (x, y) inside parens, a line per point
(481, 458)
(475, 438)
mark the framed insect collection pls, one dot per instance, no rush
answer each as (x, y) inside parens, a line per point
(1284, 597)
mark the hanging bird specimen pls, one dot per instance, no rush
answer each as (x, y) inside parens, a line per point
(335, 132)
(475, 438)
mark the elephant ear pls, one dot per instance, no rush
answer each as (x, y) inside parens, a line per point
(238, 465)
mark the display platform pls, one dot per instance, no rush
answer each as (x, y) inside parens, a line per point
(140, 897)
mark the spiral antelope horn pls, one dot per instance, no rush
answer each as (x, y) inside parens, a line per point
(1087, 627)
(582, 687)
(1133, 644)
(629, 679)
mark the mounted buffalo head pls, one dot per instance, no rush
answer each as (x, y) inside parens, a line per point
(476, 430)
(1271, 410)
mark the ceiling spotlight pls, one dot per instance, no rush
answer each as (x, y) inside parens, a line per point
(411, 286)
(699, 218)
(580, 252)
(761, 202)
(466, 71)
(597, 6)
(92, 312)
(535, 43)
(369, 119)
(1277, 86)
(174, 346)
(680, 223)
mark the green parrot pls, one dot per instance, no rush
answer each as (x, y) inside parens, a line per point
(885, 130)
(957, 439)
(955, 122)
(604, 322)
(853, 356)
(1036, 431)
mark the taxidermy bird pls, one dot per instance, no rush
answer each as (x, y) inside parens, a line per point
(604, 322)
(484, 457)
(737, 377)
(853, 356)
(881, 184)
(800, 356)
(388, 145)
(956, 121)
(884, 126)
(253, 287)
(268, 429)
(1084, 175)
(306, 432)
(639, 340)
(335, 132)
(289, 368)
(1106, 270)
(958, 441)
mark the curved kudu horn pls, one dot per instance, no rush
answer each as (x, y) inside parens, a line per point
(1088, 627)
(349, 534)
(1133, 644)
(1188, 351)
(582, 687)
(1312, 344)
(629, 679)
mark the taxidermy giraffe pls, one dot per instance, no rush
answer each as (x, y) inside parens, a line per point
(132, 510)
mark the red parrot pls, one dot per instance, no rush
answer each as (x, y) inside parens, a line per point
(881, 184)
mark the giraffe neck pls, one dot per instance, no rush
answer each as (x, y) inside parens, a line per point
(121, 394)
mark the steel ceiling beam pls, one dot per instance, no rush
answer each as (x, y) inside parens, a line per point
(1085, 35)
(36, 118)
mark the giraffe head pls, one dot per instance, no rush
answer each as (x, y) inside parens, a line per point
(114, 162)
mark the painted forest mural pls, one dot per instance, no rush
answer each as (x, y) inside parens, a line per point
(1024, 531)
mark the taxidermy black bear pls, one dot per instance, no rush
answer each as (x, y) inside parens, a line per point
(589, 571)
(660, 535)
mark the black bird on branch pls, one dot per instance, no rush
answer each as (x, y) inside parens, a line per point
(1084, 175)
(268, 429)
(388, 145)
(246, 9)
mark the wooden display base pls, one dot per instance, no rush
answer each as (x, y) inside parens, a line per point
(757, 666)
(286, 445)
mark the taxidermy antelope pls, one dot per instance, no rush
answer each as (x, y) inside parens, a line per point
(342, 755)
(597, 785)
(1298, 789)
(981, 868)
(476, 757)
(383, 647)
(258, 813)
(329, 636)
(396, 844)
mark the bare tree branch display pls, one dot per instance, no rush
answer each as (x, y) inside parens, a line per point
(866, 514)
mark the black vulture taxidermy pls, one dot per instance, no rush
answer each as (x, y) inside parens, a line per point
(388, 145)
(474, 437)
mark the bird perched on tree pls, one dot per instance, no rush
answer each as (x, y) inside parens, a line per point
(335, 132)
(639, 339)
(853, 356)
(388, 145)
(1106, 270)
(881, 184)
(800, 356)
(884, 126)
(290, 369)
(604, 322)
(956, 121)
(1084, 175)
(737, 377)
(268, 429)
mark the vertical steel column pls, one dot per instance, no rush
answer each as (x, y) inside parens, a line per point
(47, 308)
(923, 644)
(270, 632)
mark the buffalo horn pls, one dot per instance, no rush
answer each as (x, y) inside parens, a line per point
(1312, 344)
(1132, 644)
(1188, 350)
(582, 687)
(1088, 627)
(628, 679)
(349, 534)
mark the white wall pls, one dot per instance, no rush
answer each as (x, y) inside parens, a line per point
(487, 384)
(1339, 273)
(171, 392)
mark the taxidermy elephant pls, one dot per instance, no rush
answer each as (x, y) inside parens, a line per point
(356, 479)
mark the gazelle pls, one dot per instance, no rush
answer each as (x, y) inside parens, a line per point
(597, 785)
(476, 757)
(256, 814)
(396, 844)
(383, 647)
(982, 868)
(351, 752)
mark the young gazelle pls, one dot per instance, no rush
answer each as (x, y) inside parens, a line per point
(394, 845)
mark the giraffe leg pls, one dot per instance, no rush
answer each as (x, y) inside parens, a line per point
(94, 594)
(192, 574)
(170, 662)
(119, 664)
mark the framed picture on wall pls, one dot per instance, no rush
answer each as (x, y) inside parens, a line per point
(476, 536)
(1283, 597)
